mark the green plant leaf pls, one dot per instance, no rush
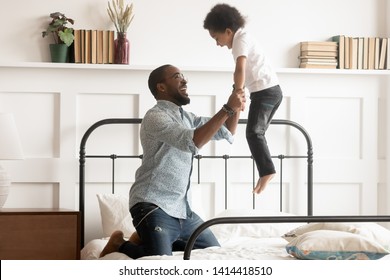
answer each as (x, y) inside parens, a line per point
(66, 36)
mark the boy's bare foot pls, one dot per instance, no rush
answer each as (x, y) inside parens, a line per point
(113, 244)
(262, 183)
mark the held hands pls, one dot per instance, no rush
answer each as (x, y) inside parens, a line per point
(243, 105)
(237, 100)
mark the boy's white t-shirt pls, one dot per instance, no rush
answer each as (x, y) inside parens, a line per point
(258, 73)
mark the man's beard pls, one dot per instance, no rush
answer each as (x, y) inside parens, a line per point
(183, 100)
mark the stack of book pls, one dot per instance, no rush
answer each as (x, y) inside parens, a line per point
(371, 53)
(318, 55)
(94, 46)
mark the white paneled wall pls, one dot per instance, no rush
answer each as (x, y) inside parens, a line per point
(344, 112)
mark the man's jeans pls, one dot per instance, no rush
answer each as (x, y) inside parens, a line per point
(261, 110)
(161, 234)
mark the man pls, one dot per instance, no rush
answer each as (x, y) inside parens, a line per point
(170, 137)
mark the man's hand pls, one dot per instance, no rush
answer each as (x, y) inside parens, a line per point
(237, 100)
(204, 133)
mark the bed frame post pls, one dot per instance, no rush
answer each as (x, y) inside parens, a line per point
(81, 192)
(82, 160)
(309, 161)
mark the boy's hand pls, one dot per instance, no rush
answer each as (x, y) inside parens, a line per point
(239, 91)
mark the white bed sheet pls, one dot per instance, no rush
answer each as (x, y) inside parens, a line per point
(238, 248)
(243, 248)
(261, 241)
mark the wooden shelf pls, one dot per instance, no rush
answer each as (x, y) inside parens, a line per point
(48, 65)
(332, 71)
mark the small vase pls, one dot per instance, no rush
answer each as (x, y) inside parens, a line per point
(122, 49)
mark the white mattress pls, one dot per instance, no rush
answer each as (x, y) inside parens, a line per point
(239, 248)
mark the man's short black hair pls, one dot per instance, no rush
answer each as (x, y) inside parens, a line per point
(155, 77)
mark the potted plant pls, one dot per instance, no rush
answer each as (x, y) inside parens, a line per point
(63, 36)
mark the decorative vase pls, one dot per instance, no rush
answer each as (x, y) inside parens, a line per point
(59, 52)
(122, 49)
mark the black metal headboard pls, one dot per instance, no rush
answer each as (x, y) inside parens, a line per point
(83, 156)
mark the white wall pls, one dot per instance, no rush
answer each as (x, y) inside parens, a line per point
(172, 30)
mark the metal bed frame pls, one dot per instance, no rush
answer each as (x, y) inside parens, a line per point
(225, 220)
(199, 158)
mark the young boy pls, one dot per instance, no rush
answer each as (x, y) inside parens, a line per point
(226, 26)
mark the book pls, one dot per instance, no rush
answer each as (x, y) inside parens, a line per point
(87, 46)
(319, 60)
(360, 51)
(365, 52)
(371, 53)
(99, 48)
(94, 46)
(346, 53)
(111, 46)
(319, 65)
(318, 57)
(82, 49)
(353, 52)
(382, 55)
(105, 46)
(319, 46)
(319, 53)
(388, 54)
(377, 51)
(340, 39)
(77, 45)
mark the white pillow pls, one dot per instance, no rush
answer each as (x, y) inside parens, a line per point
(372, 231)
(375, 232)
(317, 226)
(227, 231)
(115, 214)
(334, 245)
